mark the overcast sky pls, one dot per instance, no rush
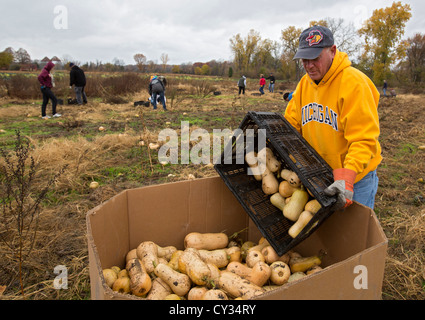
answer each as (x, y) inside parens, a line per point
(186, 30)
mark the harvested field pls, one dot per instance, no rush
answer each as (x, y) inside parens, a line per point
(117, 159)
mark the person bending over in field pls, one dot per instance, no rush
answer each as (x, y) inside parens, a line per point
(157, 87)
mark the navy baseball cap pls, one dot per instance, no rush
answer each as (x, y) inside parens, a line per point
(312, 41)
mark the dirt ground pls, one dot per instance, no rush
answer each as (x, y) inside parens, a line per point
(75, 140)
(400, 198)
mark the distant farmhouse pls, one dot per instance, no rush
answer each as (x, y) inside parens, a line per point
(55, 60)
(28, 67)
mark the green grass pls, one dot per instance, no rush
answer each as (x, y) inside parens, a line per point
(128, 173)
(397, 177)
(406, 150)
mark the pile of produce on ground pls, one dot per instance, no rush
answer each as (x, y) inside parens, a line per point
(212, 266)
(285, 189)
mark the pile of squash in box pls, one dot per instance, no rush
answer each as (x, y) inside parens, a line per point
(212, 266)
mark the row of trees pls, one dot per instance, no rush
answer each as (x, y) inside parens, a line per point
(9, 57)
(20, 59)
(377, 48)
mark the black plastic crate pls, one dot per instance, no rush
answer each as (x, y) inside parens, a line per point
(293, 151)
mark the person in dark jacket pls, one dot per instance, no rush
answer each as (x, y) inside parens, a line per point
(242, 84)
(272, 79)
(157, 87)
(78, 79)
(46, 82)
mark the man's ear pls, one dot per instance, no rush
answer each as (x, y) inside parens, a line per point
(333, 51)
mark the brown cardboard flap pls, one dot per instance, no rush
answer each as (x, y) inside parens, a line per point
(109, 230)
(167, 213)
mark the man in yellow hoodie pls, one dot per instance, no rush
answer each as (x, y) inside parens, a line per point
(335, 108)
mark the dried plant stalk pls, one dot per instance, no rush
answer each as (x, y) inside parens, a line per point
(20, 202)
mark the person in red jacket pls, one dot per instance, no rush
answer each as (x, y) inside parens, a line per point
(46, 83)
(262, 83)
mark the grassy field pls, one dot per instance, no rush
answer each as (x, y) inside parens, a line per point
(118, 158)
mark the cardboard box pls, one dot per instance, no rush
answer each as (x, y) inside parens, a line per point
(353, 240)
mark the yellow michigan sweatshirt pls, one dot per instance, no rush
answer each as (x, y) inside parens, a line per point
(339, 117)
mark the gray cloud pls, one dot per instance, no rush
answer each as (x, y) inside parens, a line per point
(187, 30)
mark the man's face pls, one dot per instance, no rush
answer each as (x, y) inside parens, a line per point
(317, 68)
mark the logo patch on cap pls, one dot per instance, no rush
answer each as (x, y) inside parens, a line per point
(314, 37)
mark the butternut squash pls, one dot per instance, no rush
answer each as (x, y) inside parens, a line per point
(271, 287)
(314, 270)
(294, 255)
(277, 200)
(239, 268)
(296, 276)
(234, 254)
(122, 285)
(197, 293)
(286, 189)
(159, 291)
(166, 252)
(291, 177)
(140, 284)
(123, 273)
(253, 257)
(132, 254)
(270, 159)
(178, 282)
(313, 206)
(174, 261)
(218, 257)
(110, 276)
(147, 251)
(236, 286)
(259, 274)
(251, 158)
(262, 243)
(191, 264)
(271, 256)
(299, 225)
(140, 281)
(162, 260)
(280, 273)
(214, 274)
(256, 169)
(295, 206)
(173, 296)
(303, 264)
(270, 184)
(215, 294)
(116, 269)
(206, 241)
(245, 248)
